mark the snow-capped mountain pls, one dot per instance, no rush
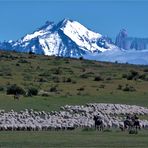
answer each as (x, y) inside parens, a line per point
(67, 38)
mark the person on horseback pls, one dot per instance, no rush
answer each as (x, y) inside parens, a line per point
(132, 124)
(128, 117)
(136, 117)
(128, 122)
(136, 122)
(98, 122)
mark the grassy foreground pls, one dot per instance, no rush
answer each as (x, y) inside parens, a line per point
(75, 138)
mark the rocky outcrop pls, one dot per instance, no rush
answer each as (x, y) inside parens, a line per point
(128, 43)
(121, 39)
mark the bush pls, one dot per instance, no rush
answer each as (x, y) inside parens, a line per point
(87, 75)
(124, 75)
(14, 89)
(98, 78)
(32, 91)
(145, 70)
(81, 58)
(42, 80)
(53, 89)
(68, 80)
(56, 71)
(81, 89)
(22, 61)
(108, 78)
(1, 88)
(56, 79)
(128, 88)
(17, 64)
(132, 75)
(45, 74)
(6, 73)
(102, 86)
(142, 76)
(119, 87)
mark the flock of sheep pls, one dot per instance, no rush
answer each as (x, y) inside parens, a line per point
(71, 117)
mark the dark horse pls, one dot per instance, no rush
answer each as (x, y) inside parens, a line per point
(132, 124)
(16, 96)
(98, 123)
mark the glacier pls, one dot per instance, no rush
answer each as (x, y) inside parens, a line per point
(121, 56)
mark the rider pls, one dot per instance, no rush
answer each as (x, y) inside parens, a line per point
(128, 117)
(136, 118)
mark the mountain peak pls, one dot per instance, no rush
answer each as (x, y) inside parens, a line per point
(67, 38)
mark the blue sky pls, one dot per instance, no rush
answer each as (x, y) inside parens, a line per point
(106, 17)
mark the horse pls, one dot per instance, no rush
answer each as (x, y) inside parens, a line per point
(132, 124)
(98, 123)
(16, 96)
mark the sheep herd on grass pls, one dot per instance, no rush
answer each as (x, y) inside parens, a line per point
(71, 117)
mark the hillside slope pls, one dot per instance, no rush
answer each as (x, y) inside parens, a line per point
(61, 81)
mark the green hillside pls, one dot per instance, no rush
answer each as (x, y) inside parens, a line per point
(61, 81)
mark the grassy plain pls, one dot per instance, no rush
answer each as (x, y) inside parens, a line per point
(62, 81)
(77, 138)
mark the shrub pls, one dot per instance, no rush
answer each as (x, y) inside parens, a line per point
(41, 80)
(66, 61)
(32, 91)
(56, 71)
(84, 76)
(124, 75)
(98, 78)
(132, 75)
(128, 88)
(74, 81)
(53, 88)
(55, 79)
(22, 61)
(1, 88)
(102, 86)
(108, 78)
(45, 95)
(81, 89)
(31, 52)
(145, 70)
(68, 80)
(13, 89)
(17, 64)
(27, 77)
(6, 73)
(87, 75)
(81, 58)
(45, 74)
(143, 77)
(119, 87)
